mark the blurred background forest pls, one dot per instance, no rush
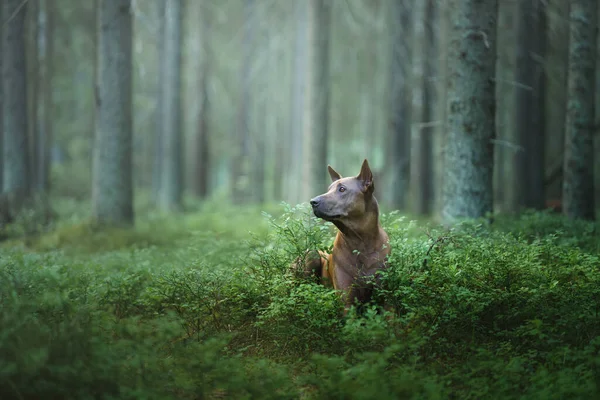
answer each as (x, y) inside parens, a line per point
(247, 101)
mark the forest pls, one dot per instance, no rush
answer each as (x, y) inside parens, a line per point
(162, 165)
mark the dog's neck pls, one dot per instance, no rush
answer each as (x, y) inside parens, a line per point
(362, 234)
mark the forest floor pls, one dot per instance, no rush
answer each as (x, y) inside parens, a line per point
(203, 305)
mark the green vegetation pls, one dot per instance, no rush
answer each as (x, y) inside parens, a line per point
(195, 306)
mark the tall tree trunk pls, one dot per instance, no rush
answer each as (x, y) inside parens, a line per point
(467, 190)
(317, 119)
(421, 173)
(529, 134)
(240, 170)
(112, 191)
(171, 182)
(578, 185)
(2, 101)
(157, 164)
(201, 160)
(16, 151)
(398, 152)
(43, 100)
(298, 93)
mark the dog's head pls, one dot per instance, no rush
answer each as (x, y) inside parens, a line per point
(347, 197)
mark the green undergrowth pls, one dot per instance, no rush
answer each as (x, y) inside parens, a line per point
(204, 305)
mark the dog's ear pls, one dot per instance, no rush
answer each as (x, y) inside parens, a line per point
(366, 176)
(333, 174)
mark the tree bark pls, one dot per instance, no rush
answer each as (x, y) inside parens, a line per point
(421, 173)
(398, 153)
(317, 107)
(43, 100)
(467, 190)
(171, 182)
(112, 192)
(201, 161)
(240, 170)
(578, 184)
(529, 133)
(16, 167)
(159, 111)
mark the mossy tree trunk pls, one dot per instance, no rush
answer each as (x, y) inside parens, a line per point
(578, 183)
(467, 189)
(112, 192)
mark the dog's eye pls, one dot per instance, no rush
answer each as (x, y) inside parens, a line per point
(342, 189)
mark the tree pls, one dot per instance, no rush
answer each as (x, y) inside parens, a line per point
(112, 192)
(171, 164)
(469, 154)
(16, 166)
(421, 172)
(316, 108)
(201, 159)
(296, 189)
(398, 151)
(240, 169)
(43, 100)
(528, 106)
(578, 183)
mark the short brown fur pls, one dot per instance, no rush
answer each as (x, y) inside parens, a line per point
(361, 246)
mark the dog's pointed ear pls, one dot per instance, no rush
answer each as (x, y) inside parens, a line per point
(366, 176)
(333, 174)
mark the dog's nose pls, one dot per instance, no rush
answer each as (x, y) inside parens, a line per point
(315, 202)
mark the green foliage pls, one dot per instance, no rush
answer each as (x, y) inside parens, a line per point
(193, 307)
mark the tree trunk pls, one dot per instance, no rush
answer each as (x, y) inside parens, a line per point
(159, 111)
(112, 192)
(43, 100)
(297, 149)
(529, 135)
(317, 107)
(398, 153)
(171, 181)
(578, 184)
(240, 170)
(201, 160)
(467, 190)
(16, 150)
(421, 173)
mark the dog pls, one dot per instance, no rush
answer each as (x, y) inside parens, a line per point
(361, 246)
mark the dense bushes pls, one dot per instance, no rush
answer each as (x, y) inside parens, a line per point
(196, 308)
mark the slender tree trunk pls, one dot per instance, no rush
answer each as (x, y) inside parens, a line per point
(298, 87)
(529, 159)
(467, 190)
(112, 191)
(16, 151)
(441, 72)
(398, 153)
(201, 161)
(317, 120)
(578, 185)
(2, 101)
(240, 170)
(171, 183)
(421, 131)
(159, 111)
(43, 100)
